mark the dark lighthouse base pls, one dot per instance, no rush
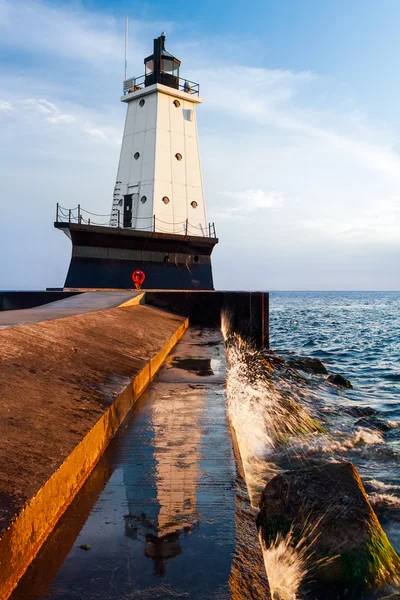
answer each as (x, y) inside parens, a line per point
(104, 257)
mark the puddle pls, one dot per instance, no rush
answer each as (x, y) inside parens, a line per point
(198, 366)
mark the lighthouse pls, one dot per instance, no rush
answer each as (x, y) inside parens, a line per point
(158, 221)
(159, 173)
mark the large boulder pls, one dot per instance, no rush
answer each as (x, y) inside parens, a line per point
(339, 380)
(325, 509)
(308, 364)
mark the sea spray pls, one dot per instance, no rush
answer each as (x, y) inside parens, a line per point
(286, 566)
(264, 418)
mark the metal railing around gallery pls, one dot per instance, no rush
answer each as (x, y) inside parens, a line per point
(153, 224)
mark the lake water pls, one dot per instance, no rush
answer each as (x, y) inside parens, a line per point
(356, 334)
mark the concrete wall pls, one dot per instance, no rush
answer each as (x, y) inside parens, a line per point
(248, 312)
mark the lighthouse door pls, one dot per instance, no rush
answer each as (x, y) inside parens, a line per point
(127, 211)
(136, 222)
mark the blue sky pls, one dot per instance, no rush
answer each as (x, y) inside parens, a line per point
(299, 132)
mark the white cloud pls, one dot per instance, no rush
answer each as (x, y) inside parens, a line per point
(382, 222)
(96, 132)
(242, 204)
(6, 106)
(61, 119)
(69, 31)
(59, 29)
(40, 105)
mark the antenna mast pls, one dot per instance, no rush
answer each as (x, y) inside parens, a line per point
(126, 46)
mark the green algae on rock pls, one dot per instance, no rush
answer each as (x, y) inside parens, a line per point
(327, 508)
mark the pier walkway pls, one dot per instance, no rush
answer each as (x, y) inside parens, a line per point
(80, 304)
(158, 515)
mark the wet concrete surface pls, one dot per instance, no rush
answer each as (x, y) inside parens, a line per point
(68, 307)
(158, 514)
(58, 378)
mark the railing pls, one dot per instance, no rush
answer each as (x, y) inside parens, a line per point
(184, 85)
(114, 220)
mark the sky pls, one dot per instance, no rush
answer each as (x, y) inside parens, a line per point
(299, 132)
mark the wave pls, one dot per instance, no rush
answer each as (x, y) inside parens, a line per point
(376, 484)
(384, 500)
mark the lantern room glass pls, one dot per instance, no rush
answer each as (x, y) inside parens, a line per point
(170, 65)
(149, 66)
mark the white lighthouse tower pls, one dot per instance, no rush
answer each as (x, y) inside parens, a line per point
(159, 184)
(158, 218)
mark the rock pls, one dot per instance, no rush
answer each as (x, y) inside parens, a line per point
(360, 411)
(85, 547)
(327, 508)
(308, 365)
(373, 422)
(281, 367)
(339, 380)
(274, 359)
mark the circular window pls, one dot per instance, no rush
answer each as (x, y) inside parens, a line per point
(143, 199)
(136, 155)
(141, 103)
(194, 204)
(177, 103)
(196, 258)
(165, 199)
(178, 156)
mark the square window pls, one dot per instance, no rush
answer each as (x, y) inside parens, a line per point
(188, 114)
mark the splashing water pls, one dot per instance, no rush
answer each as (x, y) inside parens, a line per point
(225, 324)
(285, 570)
(263, 417)
(286, 567)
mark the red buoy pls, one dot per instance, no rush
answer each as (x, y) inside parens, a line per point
(138, 277)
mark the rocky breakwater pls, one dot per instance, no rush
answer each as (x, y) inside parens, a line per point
(325, 513)
(314, 366)
(318, 530)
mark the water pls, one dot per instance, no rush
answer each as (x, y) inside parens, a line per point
(356, 334)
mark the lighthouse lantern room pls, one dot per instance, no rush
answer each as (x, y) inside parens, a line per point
(158, 218)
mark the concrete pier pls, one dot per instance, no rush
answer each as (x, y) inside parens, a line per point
(69, 306)
(66, 386)
(71, 370)
(168, 521)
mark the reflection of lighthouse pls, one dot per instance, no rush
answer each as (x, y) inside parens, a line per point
(161, 514)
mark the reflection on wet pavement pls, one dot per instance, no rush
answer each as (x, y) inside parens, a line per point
(158, 512)
(199, 366)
